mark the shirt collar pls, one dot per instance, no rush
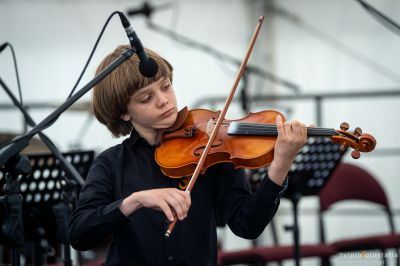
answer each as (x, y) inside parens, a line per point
(134, 137)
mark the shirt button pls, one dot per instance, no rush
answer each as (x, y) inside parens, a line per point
(170, 258)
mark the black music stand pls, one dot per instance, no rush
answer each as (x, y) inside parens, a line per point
(48, 196)
(310, 171)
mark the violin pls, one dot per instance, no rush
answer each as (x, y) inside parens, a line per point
(201, 138)
(247, 142)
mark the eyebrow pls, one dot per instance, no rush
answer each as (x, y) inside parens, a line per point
(140, 92)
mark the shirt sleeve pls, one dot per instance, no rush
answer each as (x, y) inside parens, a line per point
(246, 213)
(97, 211)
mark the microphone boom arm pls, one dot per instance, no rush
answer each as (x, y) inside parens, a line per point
(65, 165)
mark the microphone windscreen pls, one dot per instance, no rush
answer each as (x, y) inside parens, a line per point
(148, 68)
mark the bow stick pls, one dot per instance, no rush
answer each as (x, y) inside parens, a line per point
(220, 118)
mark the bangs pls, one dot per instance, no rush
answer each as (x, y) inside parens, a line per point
(136, 80)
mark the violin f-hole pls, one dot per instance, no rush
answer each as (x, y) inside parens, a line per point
(197, 150)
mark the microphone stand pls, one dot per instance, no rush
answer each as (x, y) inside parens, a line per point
(11, 151)
(62, 212)
(64, 164)
(65, 209)
(12, 228)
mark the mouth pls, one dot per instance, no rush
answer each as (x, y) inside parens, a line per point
(168, 112)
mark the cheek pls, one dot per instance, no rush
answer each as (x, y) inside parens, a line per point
(143, 118)
(141, 115)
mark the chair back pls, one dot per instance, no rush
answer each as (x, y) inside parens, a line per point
(350, 182)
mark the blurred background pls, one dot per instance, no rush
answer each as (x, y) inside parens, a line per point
(319, 61)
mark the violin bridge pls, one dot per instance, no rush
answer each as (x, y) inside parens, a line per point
(210, 127)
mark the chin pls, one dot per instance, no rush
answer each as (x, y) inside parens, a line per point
(172, 119)
(169, 121)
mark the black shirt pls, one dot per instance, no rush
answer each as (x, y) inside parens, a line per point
(222, 193)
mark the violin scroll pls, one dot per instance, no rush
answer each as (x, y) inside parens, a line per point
(357, 140)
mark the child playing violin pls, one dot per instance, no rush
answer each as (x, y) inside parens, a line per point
(126, 195)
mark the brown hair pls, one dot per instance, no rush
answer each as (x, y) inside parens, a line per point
(111, 96)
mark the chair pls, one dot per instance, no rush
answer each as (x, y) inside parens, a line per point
(279, 253)
(350, 182)
(261, 255)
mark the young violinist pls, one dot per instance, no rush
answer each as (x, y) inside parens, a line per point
(127, 197)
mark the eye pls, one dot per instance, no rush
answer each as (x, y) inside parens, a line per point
(166, 87)
(146, 99)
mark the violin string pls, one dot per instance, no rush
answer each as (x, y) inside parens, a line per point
(273, 126)
(272, 129)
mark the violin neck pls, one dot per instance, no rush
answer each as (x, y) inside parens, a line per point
(254, 129)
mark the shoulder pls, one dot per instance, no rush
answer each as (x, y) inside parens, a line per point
(109, 154)
(104, 164)
(112, 153)
(110, 157)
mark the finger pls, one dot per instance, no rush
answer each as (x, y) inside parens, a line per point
(295, 125)
(279, 125)
(167, 211)
(304, 131)
(182, 204)
(187, 198)
(179, 203)
(176, 206)
(288, 128)
(301, 129)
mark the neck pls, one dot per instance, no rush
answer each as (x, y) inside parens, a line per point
(148, 134)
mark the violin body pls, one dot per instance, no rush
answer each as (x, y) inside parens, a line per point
(247, 142)
(180, 151)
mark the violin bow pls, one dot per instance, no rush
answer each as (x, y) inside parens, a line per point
(221, 117)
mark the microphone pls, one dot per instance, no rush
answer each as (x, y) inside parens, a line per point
(147, 66)
(3, 46)
(146, 9)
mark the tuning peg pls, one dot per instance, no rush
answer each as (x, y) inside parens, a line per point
(358, 131)
(355, 154)
(344, 126)
(342, 148)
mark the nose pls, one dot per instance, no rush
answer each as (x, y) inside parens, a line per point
(162, 100)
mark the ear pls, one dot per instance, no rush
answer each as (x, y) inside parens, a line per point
(126, 117)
